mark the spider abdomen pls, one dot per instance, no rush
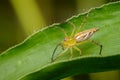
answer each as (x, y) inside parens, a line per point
(84, 35)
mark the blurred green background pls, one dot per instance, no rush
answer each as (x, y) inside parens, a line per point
(20, 18)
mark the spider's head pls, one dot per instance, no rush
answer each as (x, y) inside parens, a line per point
(69, 42)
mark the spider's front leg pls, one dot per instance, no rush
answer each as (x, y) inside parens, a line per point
(65, 50)
(71, 52)
(80, 52)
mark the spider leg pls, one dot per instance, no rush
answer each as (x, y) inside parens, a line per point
(71, 52)
(65, 50)
(62, 47)
(74, 28)
(75, 47)
(83, 22)
(54, 52)
(63, 31)
(96, 43)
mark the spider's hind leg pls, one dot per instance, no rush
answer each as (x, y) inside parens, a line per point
(96, 43)
(83, 22)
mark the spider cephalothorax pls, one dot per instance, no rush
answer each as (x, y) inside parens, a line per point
(69, 42)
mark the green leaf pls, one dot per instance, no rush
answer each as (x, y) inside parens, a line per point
(31, 60)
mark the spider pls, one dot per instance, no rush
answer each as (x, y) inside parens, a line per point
(71, 42)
